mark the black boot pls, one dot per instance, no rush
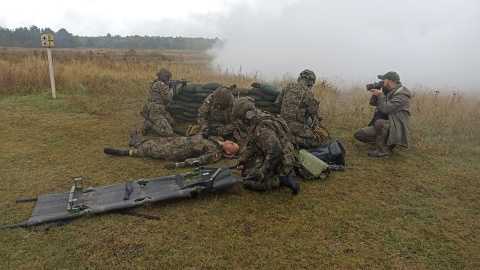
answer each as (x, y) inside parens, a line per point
(133, 138)
(115, 151)
(290, 182)
(147, 126)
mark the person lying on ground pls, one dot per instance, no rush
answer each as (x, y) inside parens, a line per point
(181, 152)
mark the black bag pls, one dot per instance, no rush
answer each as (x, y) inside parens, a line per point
(332, 154)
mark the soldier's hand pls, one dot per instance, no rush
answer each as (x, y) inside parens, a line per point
(205, 133)
(175, 165)
(240, 165)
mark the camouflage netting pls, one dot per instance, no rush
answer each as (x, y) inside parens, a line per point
(185, 104)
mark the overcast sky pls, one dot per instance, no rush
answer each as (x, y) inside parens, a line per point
(434, 43)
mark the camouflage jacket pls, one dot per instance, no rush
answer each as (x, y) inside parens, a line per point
(160, 93)
(297, 103)
(270, 138)
(221, 119)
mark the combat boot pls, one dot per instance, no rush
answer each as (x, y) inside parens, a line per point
(133, 138)
(115, 151)
(290, 182)
(147, 126)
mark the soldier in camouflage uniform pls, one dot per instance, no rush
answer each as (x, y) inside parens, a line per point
(297, 104)
(157, 118)
(270, 147)
(192, 151)
(215, 115)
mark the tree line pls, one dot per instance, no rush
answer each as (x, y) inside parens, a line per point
(29, 37)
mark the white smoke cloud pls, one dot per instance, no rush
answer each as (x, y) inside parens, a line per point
(430, 43)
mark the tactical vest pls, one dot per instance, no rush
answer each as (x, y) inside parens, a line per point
(218, 117)
(156, 93)
(284, 134)
(293, 97)
(186, 147)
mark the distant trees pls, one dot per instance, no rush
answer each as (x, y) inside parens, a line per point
(63, 39)
(30, 38)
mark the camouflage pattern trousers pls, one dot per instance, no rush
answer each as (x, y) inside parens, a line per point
(267, 183)
(305, 137)
(160, 117)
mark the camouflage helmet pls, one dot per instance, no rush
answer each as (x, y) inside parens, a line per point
(222, 97)
(309, 75)
(241, 106)
(164, 74)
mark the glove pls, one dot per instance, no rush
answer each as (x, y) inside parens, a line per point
(175, 165)
(207, 132)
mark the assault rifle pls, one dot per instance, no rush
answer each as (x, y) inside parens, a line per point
(174, 83)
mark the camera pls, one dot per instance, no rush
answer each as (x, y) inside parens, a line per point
(376, 85)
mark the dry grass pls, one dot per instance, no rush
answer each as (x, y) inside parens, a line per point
(417, 210)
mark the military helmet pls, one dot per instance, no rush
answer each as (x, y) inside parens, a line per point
(164, 74)
(221, 97)
(309, 75)
(241, 106)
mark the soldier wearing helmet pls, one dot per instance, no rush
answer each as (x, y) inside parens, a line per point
(157, 119)
(215, 115)
(269, 158)
(297, 105)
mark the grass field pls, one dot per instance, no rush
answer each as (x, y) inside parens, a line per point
(419, 209)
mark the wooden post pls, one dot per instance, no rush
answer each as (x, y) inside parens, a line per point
(50, 67)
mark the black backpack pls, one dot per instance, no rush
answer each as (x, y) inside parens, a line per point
(332, 154)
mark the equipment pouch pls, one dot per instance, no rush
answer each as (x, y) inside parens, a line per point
(198, 147)
(193, 129)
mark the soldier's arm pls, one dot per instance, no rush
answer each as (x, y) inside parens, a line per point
(312, 105)
(203, 113)
(165, 92)
(229, 128)
(212, 154)
(269, 142)
(248, 153)
(278, 101)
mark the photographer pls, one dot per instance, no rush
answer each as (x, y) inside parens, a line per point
(389, 125)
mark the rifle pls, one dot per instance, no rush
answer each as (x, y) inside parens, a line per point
(173, 84)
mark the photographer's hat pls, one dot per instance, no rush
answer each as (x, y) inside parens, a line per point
(391, 75)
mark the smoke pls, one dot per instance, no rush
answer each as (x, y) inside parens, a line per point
(433, 44)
